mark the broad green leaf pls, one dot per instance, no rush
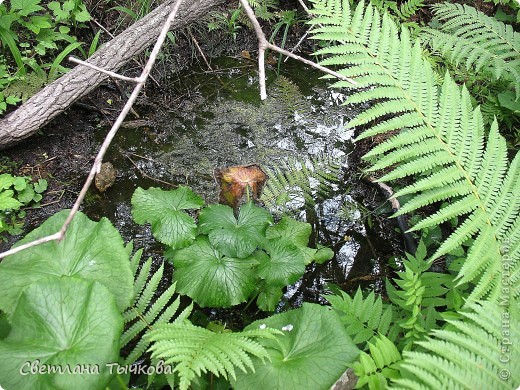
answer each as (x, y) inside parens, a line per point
(163, 210)
(6, 181)
(312, 354)
(61, 321)
(297, 232)
(234, 237)
(210, 278)
(26, 7)
(91, 250)
(284, 264)
(36, 23)
(8, 202)
(82, 15)
(26, 196)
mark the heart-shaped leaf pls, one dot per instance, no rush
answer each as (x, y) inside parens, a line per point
(209, 277)
(163, 210)
(235, 237)
(61, 323)
(312, 354)
(91, 250)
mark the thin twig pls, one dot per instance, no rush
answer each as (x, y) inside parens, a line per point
(200, 50)
(144, 174)
(108, 139)
(108, 72)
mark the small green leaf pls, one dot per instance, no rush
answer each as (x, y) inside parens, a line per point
(323, 254)
(312, 354)
(210, 278)
(12, 100)
(26, 7)
(41, 186)
(59, 322)
(232, 237)
(59, 13)
(20, 183)
(6, 181)
(163, 210)
(8, 202)
(26, 196)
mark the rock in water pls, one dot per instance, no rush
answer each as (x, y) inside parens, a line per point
(106, 177)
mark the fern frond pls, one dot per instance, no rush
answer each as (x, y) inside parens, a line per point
(469, 353)
(363, 318)
(438, 134)
(477, 41)
(142, 315)
(299, 182)
(384, 358)
(195, 350)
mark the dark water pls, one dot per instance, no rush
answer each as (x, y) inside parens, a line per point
(212, 119)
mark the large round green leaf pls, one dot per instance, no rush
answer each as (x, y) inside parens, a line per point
(235, 237)
(312, 354)
(61, 323)
(90, 250)
(210, 278)
(163, 210)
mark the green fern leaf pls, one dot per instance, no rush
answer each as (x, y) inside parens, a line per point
(438, 135)
(195, 350)
(469, 353)
(477, 41)
(142, 315)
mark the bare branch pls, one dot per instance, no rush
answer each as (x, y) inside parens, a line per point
(108, 139)
(264, 44)
(101, 70)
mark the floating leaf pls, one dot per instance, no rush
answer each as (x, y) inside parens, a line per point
(163, 210)
(312, 354)
(91, 250)
(232, 237)
(234, 181)
(61, 322)
(210, 278)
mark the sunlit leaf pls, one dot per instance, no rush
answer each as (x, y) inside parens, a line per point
(91, 250)
(209, 277)
(312, 354)
(163, 210)
(234, 237)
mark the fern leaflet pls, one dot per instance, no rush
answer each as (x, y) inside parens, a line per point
(195, 350)
(142, 315)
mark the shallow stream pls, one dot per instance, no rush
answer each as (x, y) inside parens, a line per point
(210, 119)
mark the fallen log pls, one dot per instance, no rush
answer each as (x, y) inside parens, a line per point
(60, 94)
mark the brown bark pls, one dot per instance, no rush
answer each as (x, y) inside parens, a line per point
(59, 95)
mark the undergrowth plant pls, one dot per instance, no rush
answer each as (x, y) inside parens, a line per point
(16, 192)
(36, 37)
(221, 259)
(435, 133)
(486, 54)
